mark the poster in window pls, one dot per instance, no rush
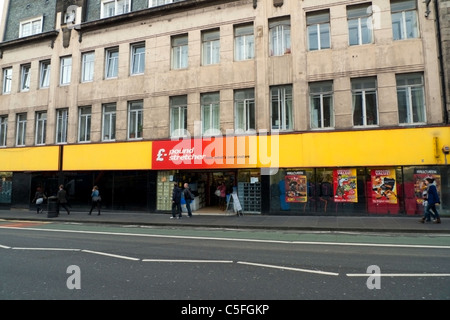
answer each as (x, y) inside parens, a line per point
(420, 186)
(384, 186)
(296, 186)
(344, 185)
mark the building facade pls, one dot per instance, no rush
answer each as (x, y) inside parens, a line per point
(300, 107)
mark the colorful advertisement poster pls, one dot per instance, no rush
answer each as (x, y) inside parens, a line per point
(344, 185)
(384, 186)
(419, 184)
(296, 186)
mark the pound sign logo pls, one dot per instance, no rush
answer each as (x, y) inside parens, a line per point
(160, 154)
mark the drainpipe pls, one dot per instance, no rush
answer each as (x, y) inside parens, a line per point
(441, 63)
(255, 4)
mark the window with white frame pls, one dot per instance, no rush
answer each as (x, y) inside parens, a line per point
(180, 52)
(112, 63)
(364, 101)
(30, 27)
(135, 119)
(7, 80)
(281, 98)
(109, 122)
(405, 24)
(44, 74)
(137, 58)
(61, 125)
(318, 25)
(244, 42)
(110, 8)
(210, 113)
(410, 98)
(321, 104)
(280, 36)
(178, 116)
(244, 111)
(210, 47)
(84, 124)
(21, 129)
(156, 3)
(66, 70)
(359, 19)
(25, 77)
(87, 66)
(41, 128)
(3, 130)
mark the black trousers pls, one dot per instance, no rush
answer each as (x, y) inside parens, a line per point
(176, 209)
(64, 205)
(95, 204)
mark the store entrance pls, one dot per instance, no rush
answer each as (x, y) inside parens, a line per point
(204, 184)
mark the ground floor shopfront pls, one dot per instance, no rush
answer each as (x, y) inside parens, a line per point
(332, 173)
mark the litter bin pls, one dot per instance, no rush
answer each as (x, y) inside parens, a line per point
(52, 204)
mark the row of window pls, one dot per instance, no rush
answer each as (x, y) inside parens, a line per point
(404, 25)
(410, 98)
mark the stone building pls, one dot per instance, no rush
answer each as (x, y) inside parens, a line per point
(301, 107)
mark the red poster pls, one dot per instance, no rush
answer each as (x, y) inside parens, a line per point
(296, 187)
(384, 186)
(419, 184)
(344, 185)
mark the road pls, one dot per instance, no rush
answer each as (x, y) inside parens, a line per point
(79, 262)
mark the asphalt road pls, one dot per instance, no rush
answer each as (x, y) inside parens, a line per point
(95, 262)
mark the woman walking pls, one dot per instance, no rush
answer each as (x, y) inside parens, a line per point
(96, 200)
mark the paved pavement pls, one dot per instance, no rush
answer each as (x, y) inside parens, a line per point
(392, 224)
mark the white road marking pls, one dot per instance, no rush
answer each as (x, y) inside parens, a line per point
(289, 268)
(45, 249)
(187, 261)
(111, 255)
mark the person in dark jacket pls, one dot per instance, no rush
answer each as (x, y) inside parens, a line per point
(176, 201)
(188, 197)
(62, 200)
(432, 199)
(39, 198)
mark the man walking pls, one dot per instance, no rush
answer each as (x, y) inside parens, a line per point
(176, 201)
(188, 197)
(62, 200)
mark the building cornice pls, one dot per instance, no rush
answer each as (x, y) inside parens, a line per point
(50, 35)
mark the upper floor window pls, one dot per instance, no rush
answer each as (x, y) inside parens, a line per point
(404, 19)
(30, 27)
(359, 18)
(280, 37)
(21, 129)
(109, 122)
(244, 110)
(178, 116)
(210, 47)
(84, 124)
(364, 102)
(25, 77)
(137, 58)
(112, 63)
(244, 42)
(410, 98)
(61, 125)
(3, 130)
(7, 80)
(210, 109)
(44, 74)
(87, 66)
(135, 119)
(180, 52)
(41, 128)
(321, 104)
(318, 24)
(66, 70)
(110, 8)
(155, 3)
(281, 98)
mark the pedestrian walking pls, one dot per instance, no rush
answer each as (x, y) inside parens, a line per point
(222, 188)
(62, 200)
(188, 197)
(39, 198)
(432, 200)
(96, 200)
(176, 201)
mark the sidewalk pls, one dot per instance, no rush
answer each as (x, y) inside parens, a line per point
(393, 224)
